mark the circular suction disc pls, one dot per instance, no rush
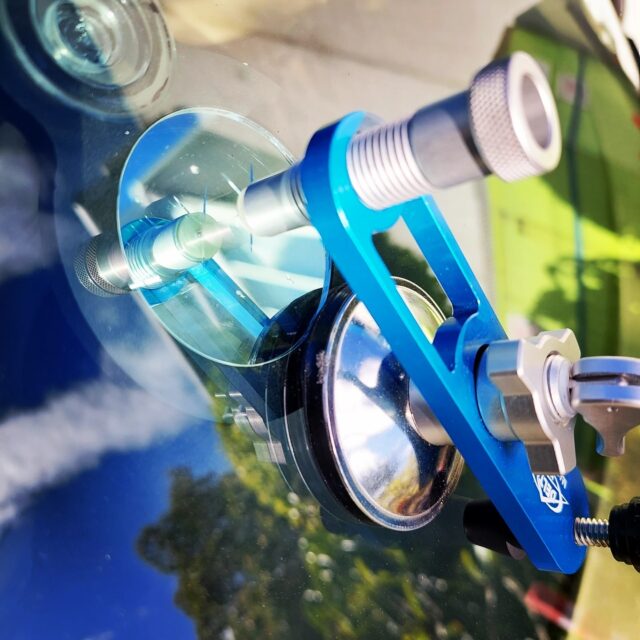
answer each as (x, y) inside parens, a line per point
(180, 187)
(111, 57)
(360, 426)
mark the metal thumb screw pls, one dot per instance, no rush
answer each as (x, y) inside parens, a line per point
(621, 533)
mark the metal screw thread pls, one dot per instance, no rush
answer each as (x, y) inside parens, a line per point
(383, 168)
(591, 532)
(137, 252)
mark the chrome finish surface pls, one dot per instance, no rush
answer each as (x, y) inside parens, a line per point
(101, 267)
(383, 166)
(273, 205)
(591, 532)
(392, 474)
(506, 124)
(532, 389)
(606, 392)
(423, 421)
(557, 372)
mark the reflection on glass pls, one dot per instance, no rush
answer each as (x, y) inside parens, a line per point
(254, 559)
(113, 57)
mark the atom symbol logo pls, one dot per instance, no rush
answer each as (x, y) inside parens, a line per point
(550, 491)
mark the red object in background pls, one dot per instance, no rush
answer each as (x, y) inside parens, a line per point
(551, 605)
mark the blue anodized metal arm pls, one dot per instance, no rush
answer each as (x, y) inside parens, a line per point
(540, 510)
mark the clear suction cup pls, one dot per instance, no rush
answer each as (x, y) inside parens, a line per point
(108, 56)
(216, 288)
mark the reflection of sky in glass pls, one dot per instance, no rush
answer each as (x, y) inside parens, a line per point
(81, 473)
(84, 463)
(69, 568)
(85, 453)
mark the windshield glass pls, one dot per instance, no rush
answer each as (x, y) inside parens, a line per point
(179, 380)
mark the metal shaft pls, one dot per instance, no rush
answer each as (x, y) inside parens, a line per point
(505, 124)
(153, 258)
(591, 532)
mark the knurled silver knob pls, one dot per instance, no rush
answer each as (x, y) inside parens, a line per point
(506, 123)
(514, 120)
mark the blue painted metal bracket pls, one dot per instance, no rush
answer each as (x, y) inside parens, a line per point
(539, 510)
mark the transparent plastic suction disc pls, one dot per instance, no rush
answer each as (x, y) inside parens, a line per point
(225, 294)
(108, 56)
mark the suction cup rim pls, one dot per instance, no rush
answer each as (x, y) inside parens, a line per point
(359, 431)
(110, 57)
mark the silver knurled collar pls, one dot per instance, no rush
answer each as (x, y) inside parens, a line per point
(502, 118)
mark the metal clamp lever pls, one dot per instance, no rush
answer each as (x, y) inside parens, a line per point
(606, 392)
(532, 389)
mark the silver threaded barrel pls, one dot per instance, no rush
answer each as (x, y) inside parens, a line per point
(505, 124)
(591, 532)
(383, 168)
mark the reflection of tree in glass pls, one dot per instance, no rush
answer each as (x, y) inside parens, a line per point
(238, 566)
(410, 265)
(256, 560)
(557, 306)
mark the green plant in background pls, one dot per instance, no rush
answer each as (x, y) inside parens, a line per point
(567, 253)
(405, 263)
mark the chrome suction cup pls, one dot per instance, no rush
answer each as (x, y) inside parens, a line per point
(351, 421)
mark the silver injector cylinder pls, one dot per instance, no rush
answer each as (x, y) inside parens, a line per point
(153, 258)
(505, 124)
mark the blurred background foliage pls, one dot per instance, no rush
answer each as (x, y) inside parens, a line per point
(256, 558)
